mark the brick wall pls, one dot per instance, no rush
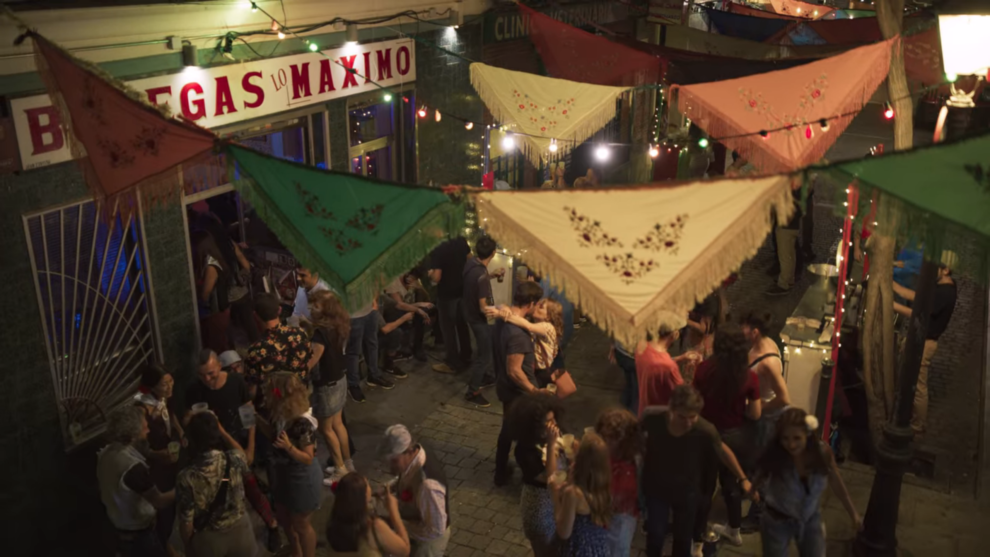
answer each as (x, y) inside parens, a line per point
(448, 153)
(50, 496)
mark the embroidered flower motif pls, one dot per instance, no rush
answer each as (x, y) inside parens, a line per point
(148, 141)
(589, 231)
(664, 237)
(522, 107)
(543, 129)
(312, 204)
(628, 267)
(118, 156)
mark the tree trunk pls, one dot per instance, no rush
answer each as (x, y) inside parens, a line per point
(878, 330)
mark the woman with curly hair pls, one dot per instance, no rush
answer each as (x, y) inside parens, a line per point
(294, 473)
(620, 430)
(547, 330)
(331, 329)
(791, 477)
(583, 504)
(731, 391)
(353, 529)
(533, 425)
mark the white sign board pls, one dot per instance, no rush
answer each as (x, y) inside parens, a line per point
(222, 95)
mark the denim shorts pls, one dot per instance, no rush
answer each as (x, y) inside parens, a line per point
(329, 399)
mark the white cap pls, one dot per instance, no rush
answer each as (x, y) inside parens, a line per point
(229, 358)
(397, 440)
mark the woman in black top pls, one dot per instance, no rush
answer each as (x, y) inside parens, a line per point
(533, 422)
(332, 327)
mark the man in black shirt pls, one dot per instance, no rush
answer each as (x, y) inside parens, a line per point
(477, 297)
(447, 272)
(515, 368)
(224, 394)
(680, 445)
(943, 304)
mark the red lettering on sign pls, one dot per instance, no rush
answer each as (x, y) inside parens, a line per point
(326, 77)
(349, 71)
(367, 67)
(403, 67)
(256, 90)
(300, 80)
(155, 91)
(225, 102)
(385, 64)
(39, 129)
(184, 101)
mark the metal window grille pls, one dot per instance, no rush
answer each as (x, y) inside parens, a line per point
(96, 309)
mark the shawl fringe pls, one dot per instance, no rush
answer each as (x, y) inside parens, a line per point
(718, 122)
(699, 279)
(594, 120)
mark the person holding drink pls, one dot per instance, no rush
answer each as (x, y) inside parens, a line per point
(354, 530)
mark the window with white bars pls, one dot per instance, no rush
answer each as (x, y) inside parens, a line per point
(96, 310)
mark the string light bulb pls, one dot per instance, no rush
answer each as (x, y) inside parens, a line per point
(313, 47)
(654, 152)
(553, 146)
(274, 25)
(388, 97)
(601, 153)
(469, 125)
(888, 110)
(765, 135)
(823, 124)
(437, 115)
(281, 34)
(421, 112)
(703, 143)
(254, 7)
(808, 132)
(508, 142)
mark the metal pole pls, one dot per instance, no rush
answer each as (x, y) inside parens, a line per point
(894, 452)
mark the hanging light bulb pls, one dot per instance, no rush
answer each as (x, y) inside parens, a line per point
(508, 142)
(274, 25)
(823, 124)
(888, 110)
(313, 47)
(281, 34)
(254, 7)
(388, 97)
(469, 125)
(808, 132)
(601, 153)
(437, 115)
(421, 112)
(764, 134)
(653, 152)
(553, 146)
(703, 143)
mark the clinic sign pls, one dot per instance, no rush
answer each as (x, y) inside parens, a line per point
(218, 96)
(510, 24)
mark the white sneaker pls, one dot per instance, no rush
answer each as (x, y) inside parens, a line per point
(349, 464)
(328, 471)
(697, 549)
(729, 535)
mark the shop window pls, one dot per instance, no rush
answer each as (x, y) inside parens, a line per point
(96, 310)
(377, 131)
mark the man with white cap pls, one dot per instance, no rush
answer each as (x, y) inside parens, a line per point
(421, 490)
(943, 304)
(231, 361)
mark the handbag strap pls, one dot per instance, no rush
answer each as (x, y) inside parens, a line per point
(201, 521)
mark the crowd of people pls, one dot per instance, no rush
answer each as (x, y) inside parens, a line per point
(715, 417)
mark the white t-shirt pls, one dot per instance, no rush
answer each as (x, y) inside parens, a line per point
(301, 306)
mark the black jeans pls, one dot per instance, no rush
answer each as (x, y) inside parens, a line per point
(456, 338)
(482, 364)
(658, 511)
(504, 445)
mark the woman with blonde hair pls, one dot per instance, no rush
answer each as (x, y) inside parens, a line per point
(331, 329)
(547, 330)
(583, 504)
(619, 428)
(294, 473)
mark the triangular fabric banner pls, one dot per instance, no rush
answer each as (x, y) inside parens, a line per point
(795, 8)
(540, 110)
(358, 233)
(788, 105)
(570, 53)
(119, 141)
(961, 195)
(746, 27)
(631, 257)
(695, 40)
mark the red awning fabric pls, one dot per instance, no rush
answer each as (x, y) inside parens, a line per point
(575, 55)
(789, 105)
(120, 142)
(923, 57)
